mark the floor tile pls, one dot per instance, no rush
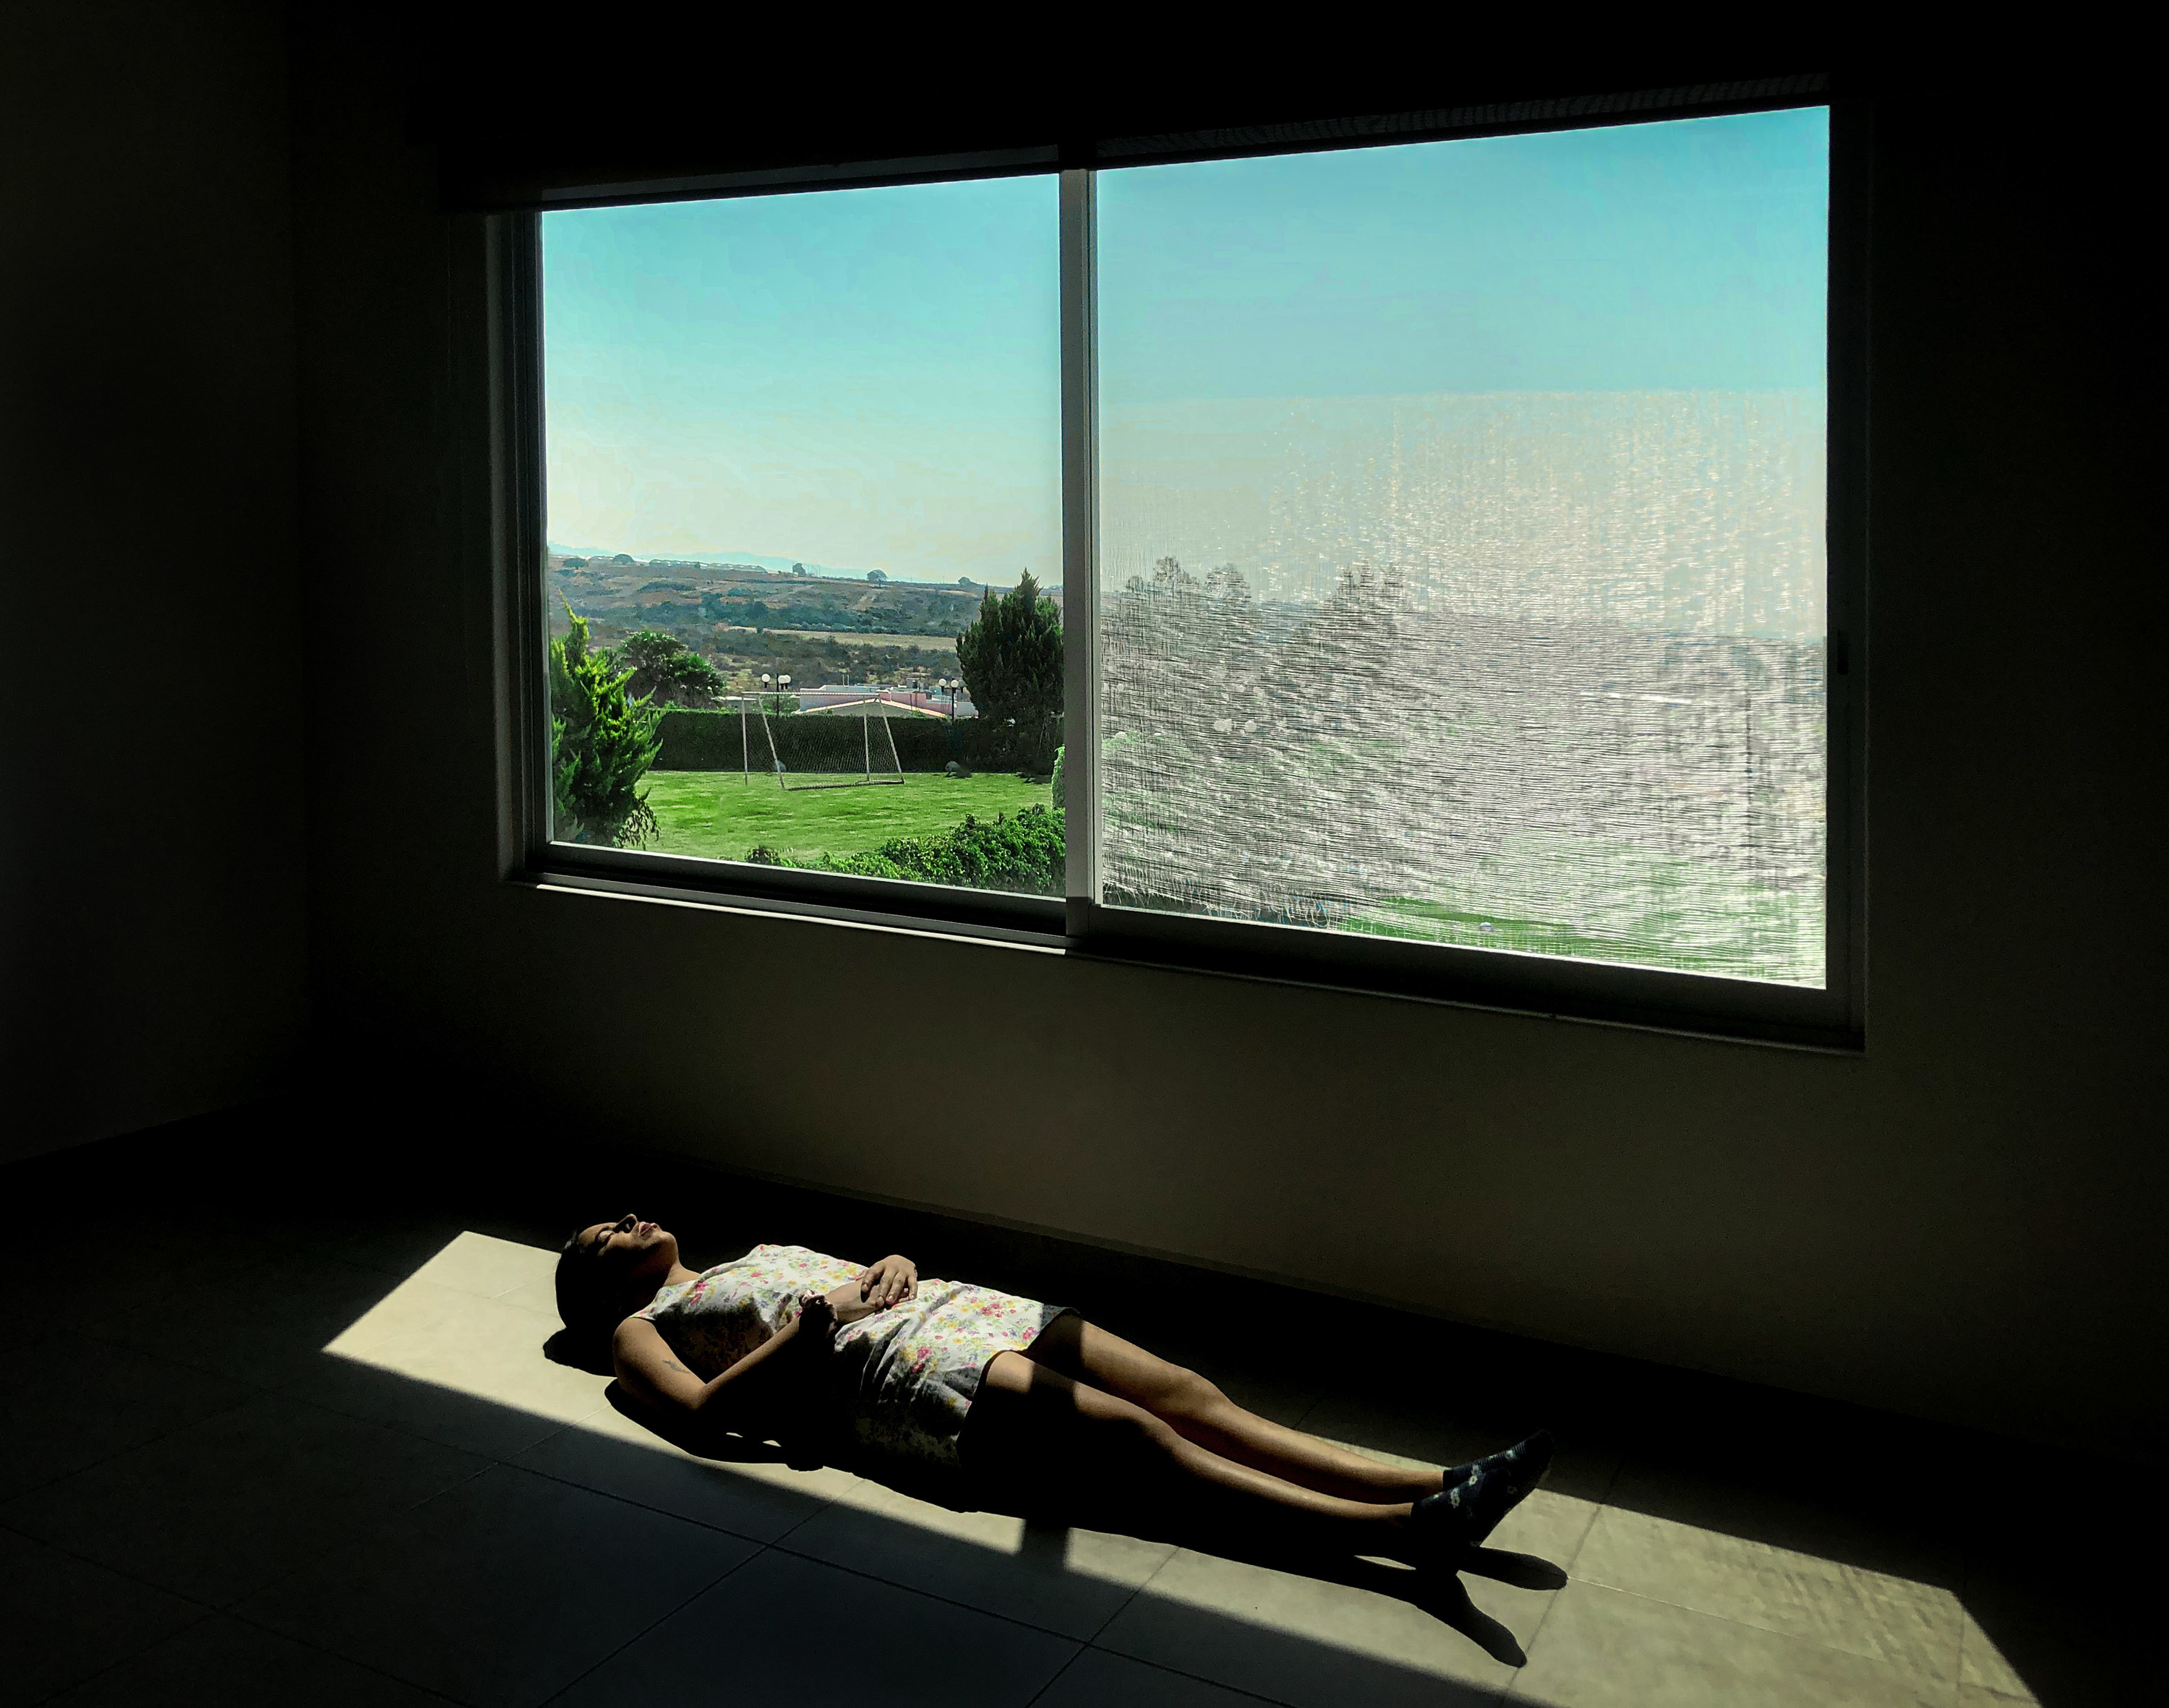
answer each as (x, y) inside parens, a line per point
(1308, 1641)
(1915, 1627)
(223, 1663)
(758, 1461)
(502, 1591)
(1790, 1506)
(538, 1295)
(500, 1219)
(112, 1398)
(482, 1348)
(397, 1244)
(265, 1325)
(1603, 1648)
(786, 1630)
(172, 1243)
(1982, 1665)
(614, 1456)
(222, 1507)
(1071, 1581)
(1548, 1525)
(425, 1409)
(1433, 1429)
(482, 1263)
(2067, 1628)
(1097, 1679)
(62, 1620)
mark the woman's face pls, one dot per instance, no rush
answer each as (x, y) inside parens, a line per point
(631, 1250)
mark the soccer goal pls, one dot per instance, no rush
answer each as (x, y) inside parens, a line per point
(878, 763)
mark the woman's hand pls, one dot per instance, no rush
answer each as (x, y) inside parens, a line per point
(816, 1326)
(796, 1403)
(889, 1282)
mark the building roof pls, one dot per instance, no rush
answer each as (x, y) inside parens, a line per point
(866, 706)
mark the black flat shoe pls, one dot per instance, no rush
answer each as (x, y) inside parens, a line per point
(1479, 1494)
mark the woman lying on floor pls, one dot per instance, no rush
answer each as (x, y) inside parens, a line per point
(995, 1394)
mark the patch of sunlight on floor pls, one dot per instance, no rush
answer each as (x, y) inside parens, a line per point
(1688, 1602)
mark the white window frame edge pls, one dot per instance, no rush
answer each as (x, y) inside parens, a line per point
(1080, 543)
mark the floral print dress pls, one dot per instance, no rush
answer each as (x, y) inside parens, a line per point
(911, 1369)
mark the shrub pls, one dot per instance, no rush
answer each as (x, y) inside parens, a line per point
(603, 740)
(1025, 854)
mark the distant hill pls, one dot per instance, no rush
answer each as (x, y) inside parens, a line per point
(662, 595)
(758, 561)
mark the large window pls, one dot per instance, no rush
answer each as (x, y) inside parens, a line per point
(1409, 565)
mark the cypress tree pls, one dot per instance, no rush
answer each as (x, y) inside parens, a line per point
(1011, 659)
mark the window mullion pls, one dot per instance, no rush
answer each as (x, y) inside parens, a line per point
(1080, 541)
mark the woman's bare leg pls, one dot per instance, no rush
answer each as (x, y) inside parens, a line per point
(1200, 1413)
(1049, 1434)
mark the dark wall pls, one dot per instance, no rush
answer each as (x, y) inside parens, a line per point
(152, 830)
(1962, 1221)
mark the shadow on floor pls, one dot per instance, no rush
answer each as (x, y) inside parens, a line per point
(208, 1496)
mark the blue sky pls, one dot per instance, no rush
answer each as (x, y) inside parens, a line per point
(869, 378)
(866, 379)
(1649, 257)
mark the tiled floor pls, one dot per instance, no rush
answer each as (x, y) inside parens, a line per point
(271, 1445)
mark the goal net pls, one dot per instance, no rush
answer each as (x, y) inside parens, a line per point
(831, 750)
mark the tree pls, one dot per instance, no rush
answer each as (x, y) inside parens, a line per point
(1011, 659)
(876, 575)
(1228, 584)
(603, 742)
(667, 672)
(622, 557)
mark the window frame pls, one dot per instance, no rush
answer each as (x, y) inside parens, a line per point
(1078, 924)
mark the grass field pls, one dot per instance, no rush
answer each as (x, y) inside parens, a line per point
(719, 815)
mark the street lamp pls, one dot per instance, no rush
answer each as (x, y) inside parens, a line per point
(767, 682)
(782, 687)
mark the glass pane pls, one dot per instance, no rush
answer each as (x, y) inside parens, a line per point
(798, 446)
(1463, 568)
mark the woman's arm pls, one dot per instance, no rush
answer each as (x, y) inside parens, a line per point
(767, 1388)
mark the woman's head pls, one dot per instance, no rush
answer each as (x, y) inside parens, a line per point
(608, 1270)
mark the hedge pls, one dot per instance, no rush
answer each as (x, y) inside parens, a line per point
(1025, 853)
(710, 741)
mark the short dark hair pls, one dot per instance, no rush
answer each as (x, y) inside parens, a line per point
(581, 1306)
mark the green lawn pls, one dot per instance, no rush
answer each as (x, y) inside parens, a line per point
(720, 815)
